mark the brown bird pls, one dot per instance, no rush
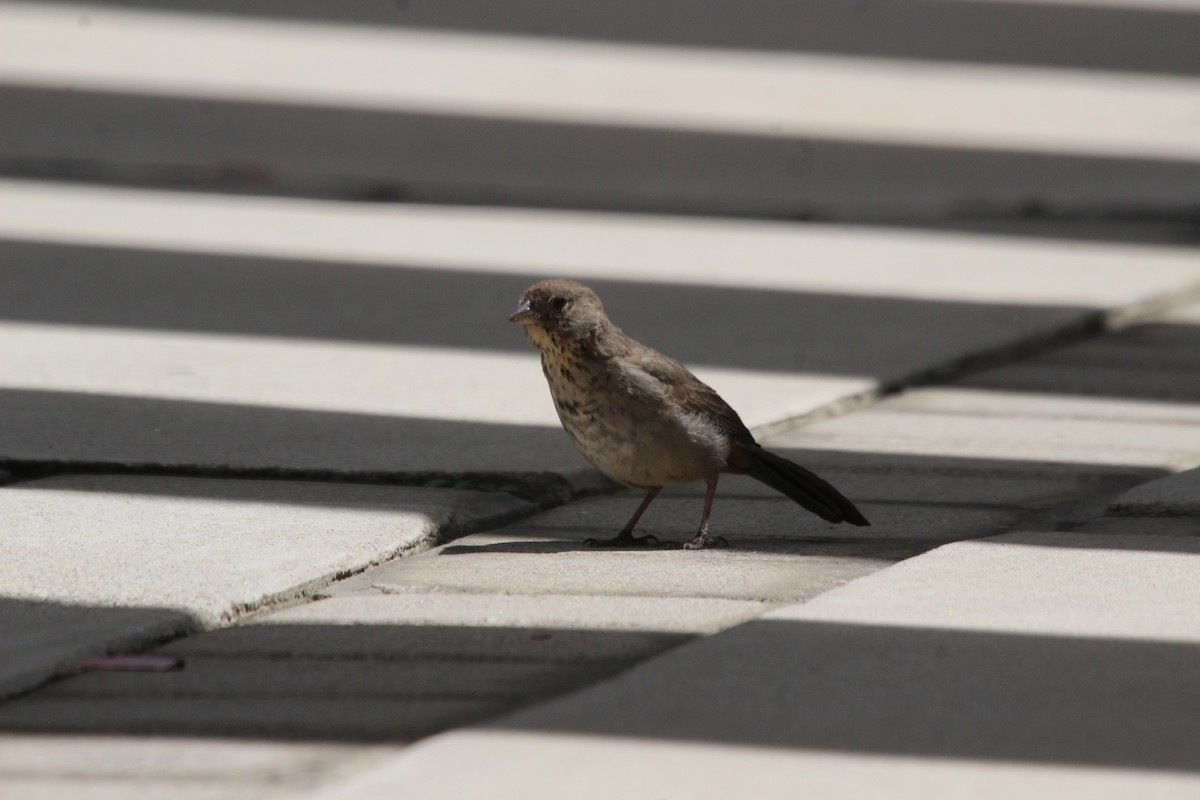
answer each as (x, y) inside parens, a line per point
(646, 421)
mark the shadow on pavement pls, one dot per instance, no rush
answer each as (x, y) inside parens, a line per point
(1155, 361)
(895, 691)
(835, 334)
(88, 431)
(904, 691)
(334, 682)
(39, 636)
(267, 148)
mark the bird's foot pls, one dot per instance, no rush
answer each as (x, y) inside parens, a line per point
(625, 539)
(703, 539)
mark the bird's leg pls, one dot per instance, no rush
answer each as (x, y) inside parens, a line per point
(702, 538)
(626, 538)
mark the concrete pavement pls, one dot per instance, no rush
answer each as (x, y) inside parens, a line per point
(1029, 663)
(902, 111)
(1050, 652)
(288, 437)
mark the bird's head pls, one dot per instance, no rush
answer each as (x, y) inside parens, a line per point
(560, 310)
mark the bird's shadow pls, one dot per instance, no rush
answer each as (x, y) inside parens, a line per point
(809, 545)
(535, 547)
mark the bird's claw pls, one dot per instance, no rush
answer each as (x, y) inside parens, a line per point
(624, 539)
(703, 540)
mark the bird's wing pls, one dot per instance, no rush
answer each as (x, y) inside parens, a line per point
(690, 394)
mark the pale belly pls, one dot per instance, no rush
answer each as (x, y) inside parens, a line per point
(644, 448)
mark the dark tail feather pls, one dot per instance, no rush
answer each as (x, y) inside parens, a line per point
(803, 486)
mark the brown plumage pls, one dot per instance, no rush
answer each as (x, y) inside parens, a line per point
(645, 420)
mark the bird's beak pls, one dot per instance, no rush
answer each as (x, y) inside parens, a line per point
(524, 315)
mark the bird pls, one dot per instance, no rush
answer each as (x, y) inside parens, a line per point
(644, 420)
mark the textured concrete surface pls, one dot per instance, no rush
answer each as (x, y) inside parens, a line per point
(133, 541)
(1046, 654)
(254, 238)
(358, 601)
(523, 567)
(98, 563)
(523, 764)
(992, 428)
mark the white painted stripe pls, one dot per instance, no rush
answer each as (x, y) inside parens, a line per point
(421, 382)
(588, 245)
(786, 94)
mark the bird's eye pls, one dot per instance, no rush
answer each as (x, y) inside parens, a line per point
(559, 303)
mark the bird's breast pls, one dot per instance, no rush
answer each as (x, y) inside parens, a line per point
(629, 435)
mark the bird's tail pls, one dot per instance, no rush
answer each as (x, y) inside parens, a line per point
(803, 486)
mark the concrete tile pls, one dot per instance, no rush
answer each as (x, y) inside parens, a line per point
(583, 612)
(123, 562)
(749, 522)
(510, 765)
(1035, 583)
(718, 574)
(1044, 659)
(893, 427)
(217, 547)
(338, 719)
(777, 553)
(1173, 496)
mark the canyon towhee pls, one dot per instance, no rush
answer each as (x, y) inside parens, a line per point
(643, 420)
